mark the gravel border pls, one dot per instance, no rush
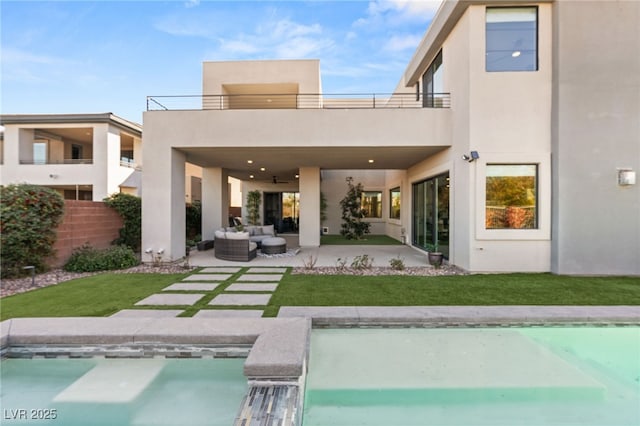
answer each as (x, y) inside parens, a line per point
(423, 271)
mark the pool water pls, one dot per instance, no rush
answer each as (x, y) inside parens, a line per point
(587, 376)
(99, 391)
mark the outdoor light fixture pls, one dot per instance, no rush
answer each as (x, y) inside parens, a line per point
(473, 156)
(149, 250)
(161, 251)
(297, 176)
(262, 169)
(626, 177)
(250, 176)
(250, 161)
(371, 161)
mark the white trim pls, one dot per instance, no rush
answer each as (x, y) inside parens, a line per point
(543, 232)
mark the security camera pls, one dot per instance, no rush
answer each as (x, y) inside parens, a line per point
(473, 156)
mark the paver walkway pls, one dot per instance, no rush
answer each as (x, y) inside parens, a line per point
(233, 292)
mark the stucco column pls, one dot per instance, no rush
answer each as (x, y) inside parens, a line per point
(309, 182)
(215, 200)
(163, 205)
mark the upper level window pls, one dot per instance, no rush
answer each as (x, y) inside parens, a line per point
(432, 86)
(512, 196)
(40, 148)
(512, 39)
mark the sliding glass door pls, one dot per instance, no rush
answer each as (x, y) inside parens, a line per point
(431, 213)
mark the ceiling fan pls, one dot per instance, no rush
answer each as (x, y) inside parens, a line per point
(275, 180)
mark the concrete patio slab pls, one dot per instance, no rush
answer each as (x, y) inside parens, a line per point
(252, 287)
(191, 287)
(147, 313)
(229, 313)
(240, 299)
(170, 299)
(263, 270)
(260, 277)
(207, 277)
(219, 269)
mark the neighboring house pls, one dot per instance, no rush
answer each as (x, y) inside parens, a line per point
(512, 141)
(83, 156)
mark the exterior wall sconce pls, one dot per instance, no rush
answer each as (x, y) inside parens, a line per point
(473, 156)
(626, 177)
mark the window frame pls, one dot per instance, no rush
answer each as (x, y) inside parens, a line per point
(429, 95)
(543, 231)
(362, 201)
(391, 197)
(535, 203)
(536, 38)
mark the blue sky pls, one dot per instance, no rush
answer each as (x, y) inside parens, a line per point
(107, 56)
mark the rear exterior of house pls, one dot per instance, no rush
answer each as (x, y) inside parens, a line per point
(511, 141)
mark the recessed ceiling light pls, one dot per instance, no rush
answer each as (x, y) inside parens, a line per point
(250, 161)
(371, 161)
(297, 176)
(250, 176)
(516, 54)
(262, 169)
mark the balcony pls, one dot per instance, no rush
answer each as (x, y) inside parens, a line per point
(298, 101)
(65, 161)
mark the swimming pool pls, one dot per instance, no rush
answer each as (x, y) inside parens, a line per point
(474, 376)
(104, 391)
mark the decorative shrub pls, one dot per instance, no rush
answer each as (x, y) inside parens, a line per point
(362, 262)
(353, 227)
(397, 263)
(130, 209)
(29, 216)
(89, 259)
(194, 220)
(253, 207)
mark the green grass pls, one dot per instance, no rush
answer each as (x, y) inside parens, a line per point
(105, 294)
(503, 289)
(98, 295)
(374, 240)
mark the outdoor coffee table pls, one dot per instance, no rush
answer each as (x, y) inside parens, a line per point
(274, 245)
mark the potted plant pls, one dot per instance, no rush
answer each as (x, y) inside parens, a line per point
(434, 255)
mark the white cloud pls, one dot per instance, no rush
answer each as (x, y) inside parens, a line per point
(18, 56)
(191, 3)
(400, 43)
(398, 12)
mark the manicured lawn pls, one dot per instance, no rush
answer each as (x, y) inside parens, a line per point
(373, 240)
(103, 295)
(503, 289)
(99, 295)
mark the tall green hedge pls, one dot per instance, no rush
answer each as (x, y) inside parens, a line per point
(29, 216)
(130, 208)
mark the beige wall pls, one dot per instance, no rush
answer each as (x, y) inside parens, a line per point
(596, 130)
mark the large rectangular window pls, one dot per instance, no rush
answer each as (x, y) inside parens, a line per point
(432, 85)
(372, 204)
(512, 39)
(512, 196)
(394, 206)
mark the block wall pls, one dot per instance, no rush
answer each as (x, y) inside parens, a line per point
(85, 222)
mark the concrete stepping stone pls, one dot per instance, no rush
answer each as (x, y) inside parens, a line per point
(170, 299)
(147, 313)
(260, 277)
(207, 277)
(267, 270)
(222, 269)
(229, 313)
(240, 299)
(252, 287)
(191, 287)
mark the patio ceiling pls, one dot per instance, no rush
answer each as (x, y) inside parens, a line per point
(284, 162)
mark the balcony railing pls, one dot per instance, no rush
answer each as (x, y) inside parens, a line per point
(298, 101)
(65, 161)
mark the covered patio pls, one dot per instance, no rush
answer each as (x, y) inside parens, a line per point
(326, 255)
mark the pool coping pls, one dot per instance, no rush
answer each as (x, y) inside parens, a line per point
(279, 345)
(340, 316)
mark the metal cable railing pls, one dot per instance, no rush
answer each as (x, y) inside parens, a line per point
(297, 101)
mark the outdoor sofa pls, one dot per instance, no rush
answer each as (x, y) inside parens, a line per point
(234, 246)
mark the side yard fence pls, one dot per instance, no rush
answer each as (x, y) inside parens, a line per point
(84, 222)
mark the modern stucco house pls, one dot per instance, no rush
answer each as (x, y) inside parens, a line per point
(83, 156)
(512, 139)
